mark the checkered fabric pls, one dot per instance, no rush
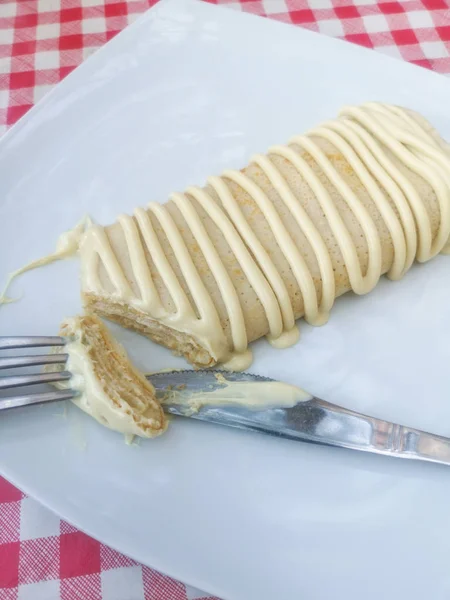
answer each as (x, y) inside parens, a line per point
(41, 41)
(44, 558)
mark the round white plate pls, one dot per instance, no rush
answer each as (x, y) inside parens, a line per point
(186, 91)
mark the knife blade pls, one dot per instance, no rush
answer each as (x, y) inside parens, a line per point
(310, 420)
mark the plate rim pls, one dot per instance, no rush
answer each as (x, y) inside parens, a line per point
(30, 115)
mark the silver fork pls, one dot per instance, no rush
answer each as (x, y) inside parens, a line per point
(35, 360)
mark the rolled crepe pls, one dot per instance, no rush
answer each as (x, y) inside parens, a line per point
(109, 387)
(254, 250)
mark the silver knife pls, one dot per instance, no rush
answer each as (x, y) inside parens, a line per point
(311, 420)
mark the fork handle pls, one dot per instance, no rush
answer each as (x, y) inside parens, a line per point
(16, 401)
(9, 343)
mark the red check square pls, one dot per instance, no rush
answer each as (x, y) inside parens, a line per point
(71, 14)
(9, 493)
(71, 42)
(29, 20)
(404, 37)
(435, 4)
(64, 71)
(24, 48)
(346, 12)
(79, 555)
(24, 79)
(391, 8)
(14, 113)
(360, 38)
(444, 33)
(302, 16)
(116, 9)
(422, 62)
(9, 561)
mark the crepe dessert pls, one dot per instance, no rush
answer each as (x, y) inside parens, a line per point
(110, 388)
(253, 250)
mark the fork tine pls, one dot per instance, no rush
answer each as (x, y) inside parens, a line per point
(15, 401)
(17, 381)
(12, 362)
(8, 343)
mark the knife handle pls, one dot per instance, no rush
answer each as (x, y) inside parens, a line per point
(320, 422)
(338, 426)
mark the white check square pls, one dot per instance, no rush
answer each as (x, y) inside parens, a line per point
(48, 5)
(8, 9)
(6, 35)
(94, 25)
(420, 19)
(47, 60)
(4, 95)
(434, 49)
(320, 4)
(274, 6)
(5, 67)
(391, 51)
(89, 51)
(48, 31)
(91, 3)
(375, 23)
(40, 91)
(46, 590)
(123, 584)
(331, 27)
(37, 521)
(193, 593)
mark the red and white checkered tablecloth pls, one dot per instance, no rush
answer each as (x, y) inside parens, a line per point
(41, 41)
(45, 558)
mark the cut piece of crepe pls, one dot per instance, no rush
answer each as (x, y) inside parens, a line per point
(217, 267)
(110, 388)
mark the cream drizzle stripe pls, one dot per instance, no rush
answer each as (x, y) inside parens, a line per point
(284, 241)
(421, 150)
(427, 172)
(112, 265)
(308, 228)
(149, 296)
(379, 199)
(163, 266)
(203, 302)
(263, 259)
(254, 275)
(385, 172)
(407, 119)
(218, 270)
(336, 224)
(361, 284)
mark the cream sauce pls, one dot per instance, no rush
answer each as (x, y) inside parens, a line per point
(257, 395)
(67, 245)
(93, 399)
(367, 137)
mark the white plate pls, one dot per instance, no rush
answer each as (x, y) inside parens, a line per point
(189, 90)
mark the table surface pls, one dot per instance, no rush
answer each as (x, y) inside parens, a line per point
(41, 41)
